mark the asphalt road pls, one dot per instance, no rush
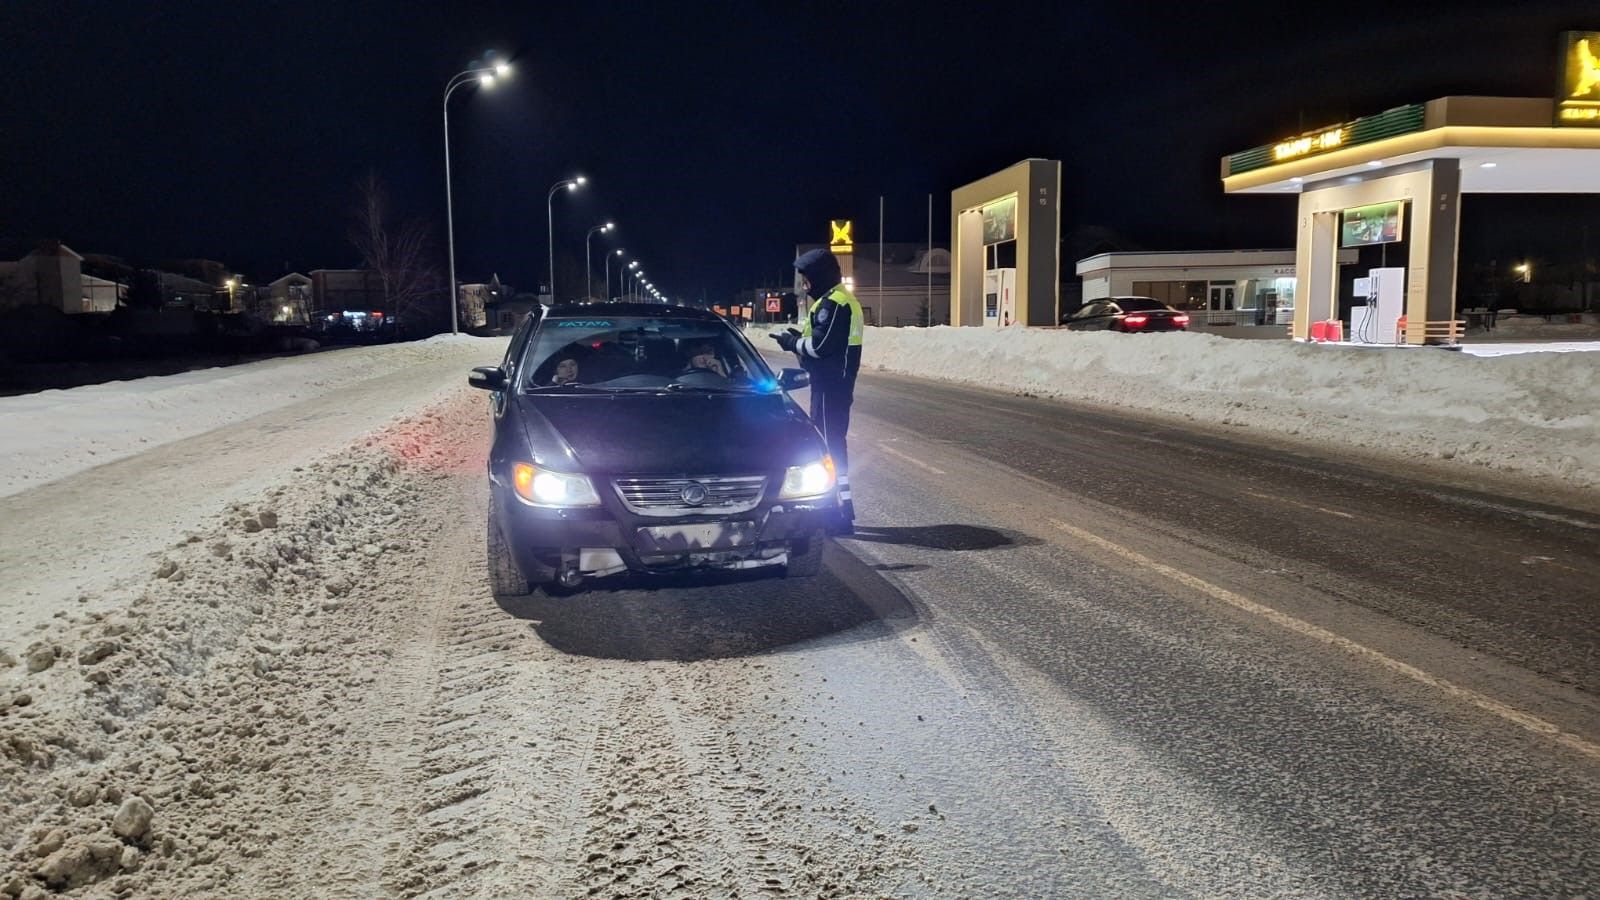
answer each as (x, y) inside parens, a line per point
(1263, 671)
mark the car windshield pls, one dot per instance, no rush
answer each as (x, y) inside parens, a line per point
(1140, 304)
(638, 353)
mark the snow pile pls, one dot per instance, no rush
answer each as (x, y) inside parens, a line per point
(1533, 414)
(147, 749)
(52, 434)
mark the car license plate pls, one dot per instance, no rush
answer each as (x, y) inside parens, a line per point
(684, 538)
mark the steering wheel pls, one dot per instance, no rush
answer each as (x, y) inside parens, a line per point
(701, 370)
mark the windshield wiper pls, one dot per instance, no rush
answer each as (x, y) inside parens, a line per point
(676, 387)
(569, 387)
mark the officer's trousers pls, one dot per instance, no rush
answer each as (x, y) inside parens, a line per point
(830, 410)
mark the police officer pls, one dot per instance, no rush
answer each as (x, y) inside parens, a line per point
(829, 347)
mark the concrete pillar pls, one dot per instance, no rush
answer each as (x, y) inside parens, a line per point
(1435, 233)
(1316, 266)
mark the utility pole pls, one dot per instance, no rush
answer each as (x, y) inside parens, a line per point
(879, 314)
(927, 266)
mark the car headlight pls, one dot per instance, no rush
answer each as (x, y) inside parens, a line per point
(809, 480)
(542, 487)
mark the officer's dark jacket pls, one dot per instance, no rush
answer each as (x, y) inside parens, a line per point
(826, 349)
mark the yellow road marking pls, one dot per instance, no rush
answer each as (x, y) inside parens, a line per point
(1306, 629)
(1310, 506)
(909, 458)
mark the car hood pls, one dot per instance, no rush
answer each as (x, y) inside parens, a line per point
(688, 434)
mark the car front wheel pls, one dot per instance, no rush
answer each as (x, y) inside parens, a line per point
(504, 576)
(805, 556)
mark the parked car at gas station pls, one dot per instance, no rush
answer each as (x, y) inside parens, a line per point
(1130, 315)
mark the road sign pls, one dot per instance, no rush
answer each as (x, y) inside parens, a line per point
(774, 304)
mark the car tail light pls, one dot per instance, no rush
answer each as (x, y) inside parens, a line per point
(1137, 320)
(1180, 320)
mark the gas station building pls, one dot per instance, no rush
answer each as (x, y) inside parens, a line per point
(1397, 178)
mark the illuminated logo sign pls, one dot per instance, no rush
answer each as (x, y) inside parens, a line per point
(1578, 101)
(841, 242)
(1309, 144)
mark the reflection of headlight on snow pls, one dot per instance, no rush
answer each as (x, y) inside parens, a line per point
(809, 480)
(541, 487)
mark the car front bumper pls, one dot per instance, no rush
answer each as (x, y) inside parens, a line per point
(544, 541)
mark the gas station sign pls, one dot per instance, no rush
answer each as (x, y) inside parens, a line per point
(840, 240)
(1578, 100)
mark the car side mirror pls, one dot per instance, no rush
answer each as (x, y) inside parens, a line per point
(489, 378)
(794, 379)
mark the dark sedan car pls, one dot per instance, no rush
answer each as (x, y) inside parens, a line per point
(646, 438)
(1134, 315)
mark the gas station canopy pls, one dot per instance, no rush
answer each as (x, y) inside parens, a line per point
(1505, 145)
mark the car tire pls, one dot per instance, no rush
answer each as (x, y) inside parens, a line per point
(805, 557)
(504, 576)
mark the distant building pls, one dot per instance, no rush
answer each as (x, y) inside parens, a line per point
(475, 300)
(504, 315)
(915, 288)
(289, 300)
(1216, 287)
(52, 275)
(185, 292)
(353, 295)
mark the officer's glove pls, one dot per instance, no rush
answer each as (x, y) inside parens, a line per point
(787, 339)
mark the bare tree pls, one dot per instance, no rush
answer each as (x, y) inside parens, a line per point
(398, 254)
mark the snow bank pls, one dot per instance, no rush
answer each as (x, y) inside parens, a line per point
(53, 434)
(146, 751)
(1532, 414)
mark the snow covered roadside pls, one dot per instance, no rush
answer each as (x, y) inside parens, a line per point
(145, 747)
(53, 434)
(1532, 414)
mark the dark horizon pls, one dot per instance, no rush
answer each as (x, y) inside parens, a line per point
(717, 139)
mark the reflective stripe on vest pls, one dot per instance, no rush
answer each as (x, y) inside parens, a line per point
(858, 321)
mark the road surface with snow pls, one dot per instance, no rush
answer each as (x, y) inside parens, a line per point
(1070, 653)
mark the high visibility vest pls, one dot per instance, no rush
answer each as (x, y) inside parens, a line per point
(858, 323)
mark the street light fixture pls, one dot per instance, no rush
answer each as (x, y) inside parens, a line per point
(485, 76)
(588, 267)
(570, 184)
(608, 274)
(1525, 270)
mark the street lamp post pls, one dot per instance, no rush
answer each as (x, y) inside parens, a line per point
(588, 268)
(627, 273)
(608, 273)
(485, 76)
(571, 184)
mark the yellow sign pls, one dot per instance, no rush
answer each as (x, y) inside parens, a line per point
(1579, 100)
(1305, 145)
(841, 242)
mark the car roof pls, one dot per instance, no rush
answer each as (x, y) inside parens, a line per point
(652, 310)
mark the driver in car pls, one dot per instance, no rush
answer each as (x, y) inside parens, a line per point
(703, 357)
(566, 372)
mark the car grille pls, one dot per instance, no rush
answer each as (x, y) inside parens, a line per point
(665, 496)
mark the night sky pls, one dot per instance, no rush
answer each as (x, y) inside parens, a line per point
(717, 136)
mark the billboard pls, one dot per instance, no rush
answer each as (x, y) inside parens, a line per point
(1000, 220)
(1578, 99)
(1380, 223)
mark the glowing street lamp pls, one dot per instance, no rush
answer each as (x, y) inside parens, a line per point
(588, 268)
(570, 184)
(485, 77)
(608, 274)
